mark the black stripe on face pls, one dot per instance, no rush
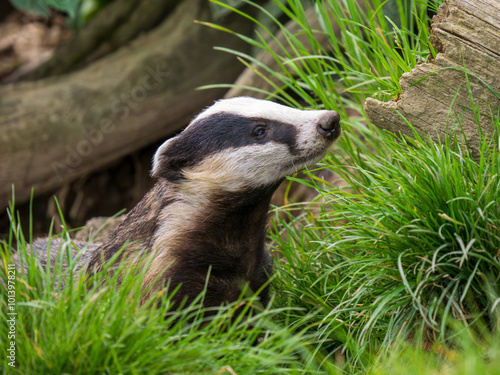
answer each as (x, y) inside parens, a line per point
(218, 132)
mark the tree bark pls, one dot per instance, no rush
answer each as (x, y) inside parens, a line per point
(466, 34)
(57, 129)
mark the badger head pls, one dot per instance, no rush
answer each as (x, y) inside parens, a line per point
(245, 143)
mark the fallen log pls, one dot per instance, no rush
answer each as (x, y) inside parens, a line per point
(57, 129)
(436, 95)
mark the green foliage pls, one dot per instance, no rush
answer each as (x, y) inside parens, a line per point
(78, 11)
(366, 57)
(407, 248)
(32, 6)
(100, 328)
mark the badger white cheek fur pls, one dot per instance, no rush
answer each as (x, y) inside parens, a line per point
(235, 169)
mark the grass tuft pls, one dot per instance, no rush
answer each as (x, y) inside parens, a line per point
(404, 251)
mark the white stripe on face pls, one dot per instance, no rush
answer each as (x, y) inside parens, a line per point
(238, 169)
(249, 167)
(305, 122)
(257, 108)
(234, 156)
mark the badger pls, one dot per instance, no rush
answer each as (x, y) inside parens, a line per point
(208, 211)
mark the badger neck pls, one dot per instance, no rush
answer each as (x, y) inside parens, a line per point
(234, 223)
(190, 235)
(226, 224)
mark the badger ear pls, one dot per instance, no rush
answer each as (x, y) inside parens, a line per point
(165, 164)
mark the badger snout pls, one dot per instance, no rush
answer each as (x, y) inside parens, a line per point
(329, 125)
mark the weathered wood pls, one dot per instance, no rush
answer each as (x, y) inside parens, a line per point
(55, 130)
(466, 34)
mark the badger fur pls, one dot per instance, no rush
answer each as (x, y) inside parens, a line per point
(207, 212)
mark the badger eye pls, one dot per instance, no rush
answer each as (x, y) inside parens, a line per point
(259, 131)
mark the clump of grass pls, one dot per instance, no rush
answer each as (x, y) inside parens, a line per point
(366, 57)
(408, 248)
(470, 355)
(105, 329)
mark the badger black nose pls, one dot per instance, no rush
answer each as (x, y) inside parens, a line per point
(329, 125)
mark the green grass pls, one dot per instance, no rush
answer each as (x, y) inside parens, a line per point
(366, 58)
(404, 251)
(105, 329)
